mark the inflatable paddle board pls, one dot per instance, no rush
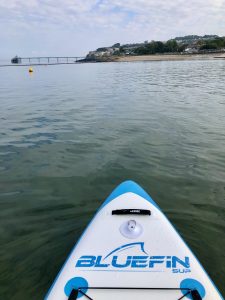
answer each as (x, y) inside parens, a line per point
(131, 251)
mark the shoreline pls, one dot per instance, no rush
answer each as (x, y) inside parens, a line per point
(170, 57)
(135, 58)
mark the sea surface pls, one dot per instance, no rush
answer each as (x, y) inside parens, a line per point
(69, 134)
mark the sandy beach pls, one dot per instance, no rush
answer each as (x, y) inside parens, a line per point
(171, 57)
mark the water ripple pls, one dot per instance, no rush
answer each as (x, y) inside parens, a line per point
(68, 135)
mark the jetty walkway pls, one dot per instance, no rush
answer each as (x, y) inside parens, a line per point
(44, 60)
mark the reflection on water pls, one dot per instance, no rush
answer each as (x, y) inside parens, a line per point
(70, 134)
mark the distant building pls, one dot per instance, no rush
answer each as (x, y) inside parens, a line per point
(129, 49)
(190, 39)
(16, 60)
(190, 50)
(103, 52)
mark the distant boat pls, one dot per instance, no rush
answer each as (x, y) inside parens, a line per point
(16, 60)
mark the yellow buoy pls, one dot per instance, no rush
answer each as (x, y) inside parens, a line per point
(31, 70)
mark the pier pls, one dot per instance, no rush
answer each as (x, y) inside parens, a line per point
(46, 60)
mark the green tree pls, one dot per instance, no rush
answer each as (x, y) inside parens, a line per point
(101, 49)
(171, 46)
(141, 50)
(182, 47)
(209, 46)
(117, 45)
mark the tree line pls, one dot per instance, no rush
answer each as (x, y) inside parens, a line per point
(171, 46)
(159, 47)
(214, 44)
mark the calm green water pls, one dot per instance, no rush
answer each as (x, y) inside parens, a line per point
(70, 134)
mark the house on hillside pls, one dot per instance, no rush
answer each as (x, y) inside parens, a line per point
(191, 50)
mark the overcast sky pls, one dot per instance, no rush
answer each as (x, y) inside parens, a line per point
(73, 27)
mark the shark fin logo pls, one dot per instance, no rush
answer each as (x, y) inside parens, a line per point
(127, 246)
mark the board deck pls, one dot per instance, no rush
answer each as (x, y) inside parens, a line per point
(130, 250)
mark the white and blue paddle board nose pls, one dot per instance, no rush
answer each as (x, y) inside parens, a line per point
(130, 250)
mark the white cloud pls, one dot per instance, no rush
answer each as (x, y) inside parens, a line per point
(105, 20)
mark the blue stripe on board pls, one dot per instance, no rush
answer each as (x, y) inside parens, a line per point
(128, 186)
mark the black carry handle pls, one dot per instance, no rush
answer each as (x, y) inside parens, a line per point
(195, 295)
(131, 211)
(73, 295)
